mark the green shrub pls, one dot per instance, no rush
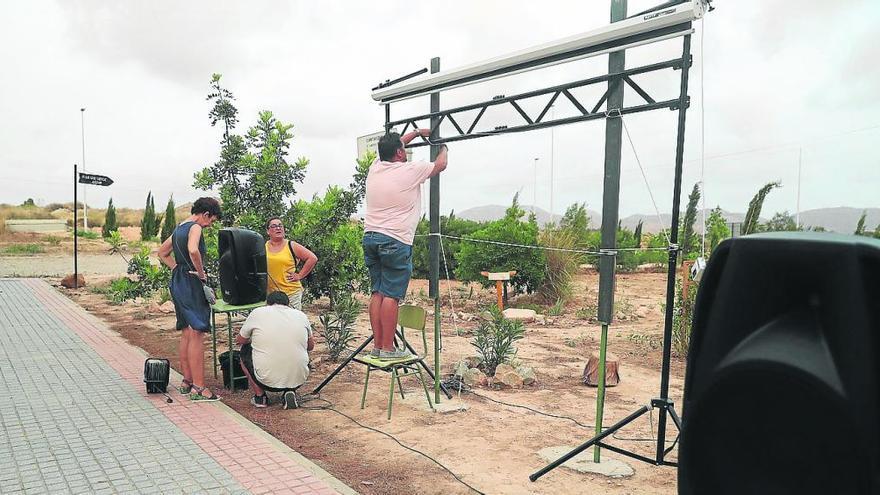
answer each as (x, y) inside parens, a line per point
(116, 242)
(529, 263)
(23, 249)
(451, 226)
(494, 339)
(682, 318)
(338, 324)
(87, 234)
(123, 289)
(557, 309)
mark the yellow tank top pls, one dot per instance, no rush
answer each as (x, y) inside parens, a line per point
(277, 265)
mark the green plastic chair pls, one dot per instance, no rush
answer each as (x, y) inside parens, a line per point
(412, 317)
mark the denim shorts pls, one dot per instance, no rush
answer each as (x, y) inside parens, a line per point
(390, 264)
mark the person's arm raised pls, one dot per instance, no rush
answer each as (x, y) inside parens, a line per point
(440, 161)
(409, 136)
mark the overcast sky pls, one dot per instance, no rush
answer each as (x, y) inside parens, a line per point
(779, 77)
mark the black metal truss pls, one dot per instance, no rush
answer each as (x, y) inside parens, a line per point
(539, 122)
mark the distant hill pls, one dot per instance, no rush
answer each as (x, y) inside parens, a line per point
(841, 219)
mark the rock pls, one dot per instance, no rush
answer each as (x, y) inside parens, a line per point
(167, 307)
(69, 282)
(154, 308)
(474, 377)
(139, 300)
(541, 320)
(466, 316)
(473, 361)
(511, 379)
(460, 368)
(643, 311)
(518, 314)
(527, 374)
(503, 369)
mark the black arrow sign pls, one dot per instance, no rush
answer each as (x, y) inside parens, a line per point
(95, 180)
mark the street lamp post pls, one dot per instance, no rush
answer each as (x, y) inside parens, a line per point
(82, 120)
(552, 149)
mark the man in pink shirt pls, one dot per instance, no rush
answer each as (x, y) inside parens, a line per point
(394, 198)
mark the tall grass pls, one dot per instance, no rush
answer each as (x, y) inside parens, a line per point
(561, 265)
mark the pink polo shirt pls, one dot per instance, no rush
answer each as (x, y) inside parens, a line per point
(394, 198)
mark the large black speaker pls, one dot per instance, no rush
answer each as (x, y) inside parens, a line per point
(242, 266)
(783, 374)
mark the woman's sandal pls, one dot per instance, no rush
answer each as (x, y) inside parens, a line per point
(196, 395)
(185, 387)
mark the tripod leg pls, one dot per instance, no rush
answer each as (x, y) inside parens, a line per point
(675, 418)
(343, 365)
(577, 450)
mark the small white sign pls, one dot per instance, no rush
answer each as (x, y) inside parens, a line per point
(370, 142)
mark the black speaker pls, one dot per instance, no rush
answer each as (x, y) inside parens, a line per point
(242, 266)
(783, 377)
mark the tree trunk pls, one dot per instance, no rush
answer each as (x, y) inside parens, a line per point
(612, 367)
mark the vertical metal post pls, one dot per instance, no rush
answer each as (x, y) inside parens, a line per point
(683, 103)
(434, 239)
(387, 117)
(75, 267)
(610, 204)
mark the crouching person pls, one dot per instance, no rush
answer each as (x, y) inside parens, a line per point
(275, 340)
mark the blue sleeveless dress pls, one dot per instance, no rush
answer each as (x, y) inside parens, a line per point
(190, 305)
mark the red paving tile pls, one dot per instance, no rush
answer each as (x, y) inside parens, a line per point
(230, 444)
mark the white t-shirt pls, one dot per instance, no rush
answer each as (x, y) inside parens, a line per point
(394, 198)
(280, 337)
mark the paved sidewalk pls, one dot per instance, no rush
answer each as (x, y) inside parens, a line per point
(75, 416)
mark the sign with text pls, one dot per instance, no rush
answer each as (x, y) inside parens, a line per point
(95, 180)
(370, 142)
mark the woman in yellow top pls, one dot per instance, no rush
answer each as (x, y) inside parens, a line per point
(281, 261)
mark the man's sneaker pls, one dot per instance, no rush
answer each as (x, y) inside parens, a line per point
(260, 400)
(375, 352)
(394, 355)
(289, 400)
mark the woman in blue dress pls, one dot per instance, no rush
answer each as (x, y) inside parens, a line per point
(187, 291)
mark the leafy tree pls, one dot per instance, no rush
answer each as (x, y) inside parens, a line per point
(253, 173)
(688, 239)
(149, 223)
(750, 222)
(529, 263)
(877, 232)
(452, 226)
(716, 228)
(169, 222)
(781, 222)
(29, 202)
(324, 225)
(860, 227)
(110, 225)
(575, 218)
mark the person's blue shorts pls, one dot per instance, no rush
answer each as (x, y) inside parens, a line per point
(390, 264)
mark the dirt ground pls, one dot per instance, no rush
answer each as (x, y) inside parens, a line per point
(55, 258)
(491, 446)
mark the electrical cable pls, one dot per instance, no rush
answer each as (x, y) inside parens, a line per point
(644, 176)
(329, 407)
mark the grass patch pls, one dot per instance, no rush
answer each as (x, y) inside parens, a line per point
(88, 234)
(23, 249)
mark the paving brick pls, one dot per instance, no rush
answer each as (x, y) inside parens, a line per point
(99, 433)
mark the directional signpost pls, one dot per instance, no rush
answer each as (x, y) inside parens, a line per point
(95, 180)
